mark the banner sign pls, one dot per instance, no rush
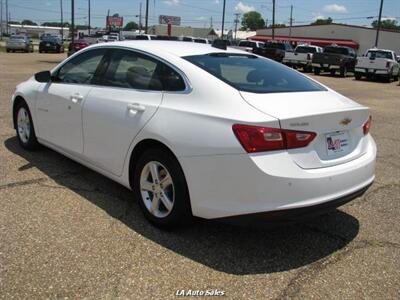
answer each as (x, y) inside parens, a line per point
(169, 20)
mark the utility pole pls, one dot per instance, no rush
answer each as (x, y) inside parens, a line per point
(379, 24)
(291, 21)
(140, 18)
(147, 17)
(72, 21)
(108, 26)
(1, 20)
(236, 23)
(223, 19)
(88, 17)
(62, 21)
(211, 22)
(273, 19)
(7, 19)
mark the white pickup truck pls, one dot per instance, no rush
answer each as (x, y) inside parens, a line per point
(301, 57)
(378, 62)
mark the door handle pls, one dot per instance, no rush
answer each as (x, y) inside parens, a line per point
(76, 98)
(135, 107)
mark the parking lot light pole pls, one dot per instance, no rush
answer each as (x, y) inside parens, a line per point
(147, 17)
(379, 24)
(273, 19)
(62, 21)
(88, 17)
(223, 20)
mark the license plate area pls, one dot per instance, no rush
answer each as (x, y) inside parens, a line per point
(337, 143)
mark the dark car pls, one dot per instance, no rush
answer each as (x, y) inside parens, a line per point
(274, 50)
(335, 58)
(77, 45)
(51, 44)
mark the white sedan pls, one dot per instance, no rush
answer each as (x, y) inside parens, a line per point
(196, 130)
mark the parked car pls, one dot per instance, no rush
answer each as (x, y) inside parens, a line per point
(50, 43)
(249, 45)
(76, 46)
(378, 62)
(200, 130)
(146, 37)
(335, 58)
(301, 57)
(19, 43)
(274, 50)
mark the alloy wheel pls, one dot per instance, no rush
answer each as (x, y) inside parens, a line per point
(24, 125)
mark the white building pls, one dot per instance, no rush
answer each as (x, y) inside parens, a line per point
(357, 37)
(37, 30)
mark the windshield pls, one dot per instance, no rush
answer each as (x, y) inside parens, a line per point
(50, 39)
(336, 50)
(302, 49)
(379, 54)
(250, 73)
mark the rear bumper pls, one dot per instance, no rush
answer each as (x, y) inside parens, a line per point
(16, 47)
(232, 185)
(326, 66)
(296, 214)
(291, 62)
(372, 71)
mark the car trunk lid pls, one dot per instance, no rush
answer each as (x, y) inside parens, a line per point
(337, 121)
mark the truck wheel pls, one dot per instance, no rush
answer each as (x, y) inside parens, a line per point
(388, 78)
(333, 72)
(396, 78)
(317, 71)
(358, 75)
(343, 72)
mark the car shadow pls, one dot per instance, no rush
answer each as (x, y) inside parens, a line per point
(222, 247)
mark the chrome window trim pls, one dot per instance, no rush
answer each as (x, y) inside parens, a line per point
(188, 86)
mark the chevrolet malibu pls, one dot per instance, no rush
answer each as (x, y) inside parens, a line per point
(200, 130)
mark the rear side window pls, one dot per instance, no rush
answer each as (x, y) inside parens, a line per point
(82, 68)
(129, 69)
(250, 73)
(336, 50)
(306, 49)
(379, 54)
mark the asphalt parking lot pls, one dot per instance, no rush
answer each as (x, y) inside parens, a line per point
(68, 232)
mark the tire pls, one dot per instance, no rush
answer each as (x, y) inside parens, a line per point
(358, 76)
(24, 127)
(40, 51)
(396, 78)
(317, 71)
(343, 71)
(8, 50)
(333, 72)
(164, 163)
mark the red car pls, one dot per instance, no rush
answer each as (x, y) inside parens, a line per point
(76, 46)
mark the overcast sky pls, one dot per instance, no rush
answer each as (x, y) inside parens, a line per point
(198, 13)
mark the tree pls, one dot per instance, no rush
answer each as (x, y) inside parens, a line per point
(386, 24)
(14, 23)
(131, 26)
(277, 26)
(28, 22)
(322, 21)
(55, 24)
(252, 20)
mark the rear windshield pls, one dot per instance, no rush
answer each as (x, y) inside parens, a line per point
(336, 50)
(253, 74)
(379, 54)
(303, 49)
(17, 37)
(275, 46)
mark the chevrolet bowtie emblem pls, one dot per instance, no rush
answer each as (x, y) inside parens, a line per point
(345, 121)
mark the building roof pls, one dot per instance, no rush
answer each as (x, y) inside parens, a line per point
(339, 24)
(313, 41)
(182, 31)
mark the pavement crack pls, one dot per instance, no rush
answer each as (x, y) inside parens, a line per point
(23, 182)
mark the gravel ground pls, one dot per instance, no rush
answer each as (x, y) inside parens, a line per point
(68, 232)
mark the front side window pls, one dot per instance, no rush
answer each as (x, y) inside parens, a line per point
(129, 69)
(250, 73)
(82, 68)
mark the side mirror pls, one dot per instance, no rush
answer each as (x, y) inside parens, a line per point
(44, 76)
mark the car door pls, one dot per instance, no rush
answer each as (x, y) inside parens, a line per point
(116, 110)
(59, 102)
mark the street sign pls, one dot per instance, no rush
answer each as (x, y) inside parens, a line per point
(169, 20)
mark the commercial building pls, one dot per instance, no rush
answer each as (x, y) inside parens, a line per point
(358, 37)
(37, 31)
(178, 31)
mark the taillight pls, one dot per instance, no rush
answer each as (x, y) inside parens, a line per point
(260, 139)
(387, 64)
(367, 125)
(308, 56)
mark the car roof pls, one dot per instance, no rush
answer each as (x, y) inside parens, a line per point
(176, 48)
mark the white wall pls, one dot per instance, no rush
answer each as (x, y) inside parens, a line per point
(365, 37)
